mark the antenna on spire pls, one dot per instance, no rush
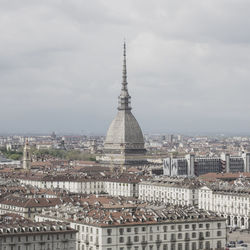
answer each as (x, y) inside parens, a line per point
(124, 72)
(124, 98)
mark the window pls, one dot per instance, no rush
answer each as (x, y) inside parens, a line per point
(218, 233)
(207, 234)
(143, 229)
(219, 225)
(179, 227)
(186, 226)
(165, 247)
(200, 225)
(165, 228)
(136, 230)
(207, 245)
(128, 229)
(179, 246)
(187, 236)
(179, 236)
(172, 246)
(150, 237)
(165, 236)
(193, 235)
(201, 236)
(109, 231)
(109, 240)
(193, 245)
(173, 237)
(187, 246)
(193, 226)
(121, 239)
(207, 226)
(201, 245)
(121, 231)
(172, 227)
(136, 238)
(129, 239)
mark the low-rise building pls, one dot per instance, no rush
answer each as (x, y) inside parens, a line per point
(177, 191)
(151, 227)
(18, 233)
(229, 201)
(28, 207)
(124, 185)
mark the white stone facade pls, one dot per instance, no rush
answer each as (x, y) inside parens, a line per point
(167, 193)
(234, 206)
(126, 188)
(188, 235)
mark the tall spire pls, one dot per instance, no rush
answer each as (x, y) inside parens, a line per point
(124, 72)
(124, 98)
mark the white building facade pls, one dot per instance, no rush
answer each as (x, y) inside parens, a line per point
(167, 192)
(233, 205)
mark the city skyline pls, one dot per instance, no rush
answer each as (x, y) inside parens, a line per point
(61, 66)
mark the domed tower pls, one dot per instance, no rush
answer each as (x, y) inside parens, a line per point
(124, 144)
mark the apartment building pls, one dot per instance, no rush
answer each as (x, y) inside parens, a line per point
(18, 233)
(176, 191)
(143, 228)
(233, 203)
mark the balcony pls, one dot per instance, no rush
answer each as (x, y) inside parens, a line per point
(187, 238)
(144, 242)
(129, 242)
(158, 241)
(173, 239)
(201, 237)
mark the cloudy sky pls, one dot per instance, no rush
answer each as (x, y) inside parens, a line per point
(188, 64)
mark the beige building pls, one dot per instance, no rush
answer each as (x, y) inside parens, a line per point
(17, 233)
(143, 228)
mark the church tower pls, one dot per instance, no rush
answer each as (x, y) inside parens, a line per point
(124, 144)
(26, 156)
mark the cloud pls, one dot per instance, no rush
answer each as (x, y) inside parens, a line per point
(188, 64)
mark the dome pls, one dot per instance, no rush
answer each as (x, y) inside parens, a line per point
(124, 132)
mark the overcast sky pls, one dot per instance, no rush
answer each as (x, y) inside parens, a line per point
(188, 64)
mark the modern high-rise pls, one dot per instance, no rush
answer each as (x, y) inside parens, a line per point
(124, 144)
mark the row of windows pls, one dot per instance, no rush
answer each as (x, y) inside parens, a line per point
(173, 246)
(165, 228)
(36, 237)
(172, 237)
